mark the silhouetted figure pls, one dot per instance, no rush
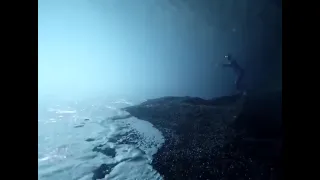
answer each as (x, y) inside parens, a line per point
(236, 68)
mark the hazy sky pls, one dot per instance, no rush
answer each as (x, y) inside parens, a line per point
(131, 47)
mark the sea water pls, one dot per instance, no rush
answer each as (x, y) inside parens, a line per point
(69, 131)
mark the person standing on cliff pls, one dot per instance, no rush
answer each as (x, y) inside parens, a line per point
(233, 64)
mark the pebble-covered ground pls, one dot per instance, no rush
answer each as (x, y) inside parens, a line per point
(216, 139)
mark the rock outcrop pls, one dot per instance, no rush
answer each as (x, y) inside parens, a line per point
(232, 137)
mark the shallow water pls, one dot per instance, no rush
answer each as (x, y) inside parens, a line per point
(70, 134)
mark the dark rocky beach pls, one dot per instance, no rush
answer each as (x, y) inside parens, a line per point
(231, 137)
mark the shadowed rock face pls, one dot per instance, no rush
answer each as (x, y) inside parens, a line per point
(230, 137)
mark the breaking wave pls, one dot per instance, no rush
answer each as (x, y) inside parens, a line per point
(94, 139)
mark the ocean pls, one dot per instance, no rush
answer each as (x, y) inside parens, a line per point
(78, 140)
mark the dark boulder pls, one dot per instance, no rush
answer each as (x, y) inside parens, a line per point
(102, 171)
(90, 139)
(105, 150)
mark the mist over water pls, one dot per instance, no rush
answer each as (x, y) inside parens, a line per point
(96, 56)
(129, 47)
(154, 47)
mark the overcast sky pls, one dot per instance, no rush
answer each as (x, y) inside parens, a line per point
(140, 47)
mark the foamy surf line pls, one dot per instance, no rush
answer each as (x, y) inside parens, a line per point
(137, 142)
(120, 149)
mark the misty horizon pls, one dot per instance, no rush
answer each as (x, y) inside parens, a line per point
(147, 48)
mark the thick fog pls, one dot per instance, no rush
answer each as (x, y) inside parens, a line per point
(153, 48)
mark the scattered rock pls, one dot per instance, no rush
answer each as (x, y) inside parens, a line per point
(78, 126)
(132, 137)
(105, 150)
(112, 140)
(102, 171)
(90, 139)
(117, 117)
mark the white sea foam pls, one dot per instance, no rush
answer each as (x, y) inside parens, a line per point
(64, 153)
